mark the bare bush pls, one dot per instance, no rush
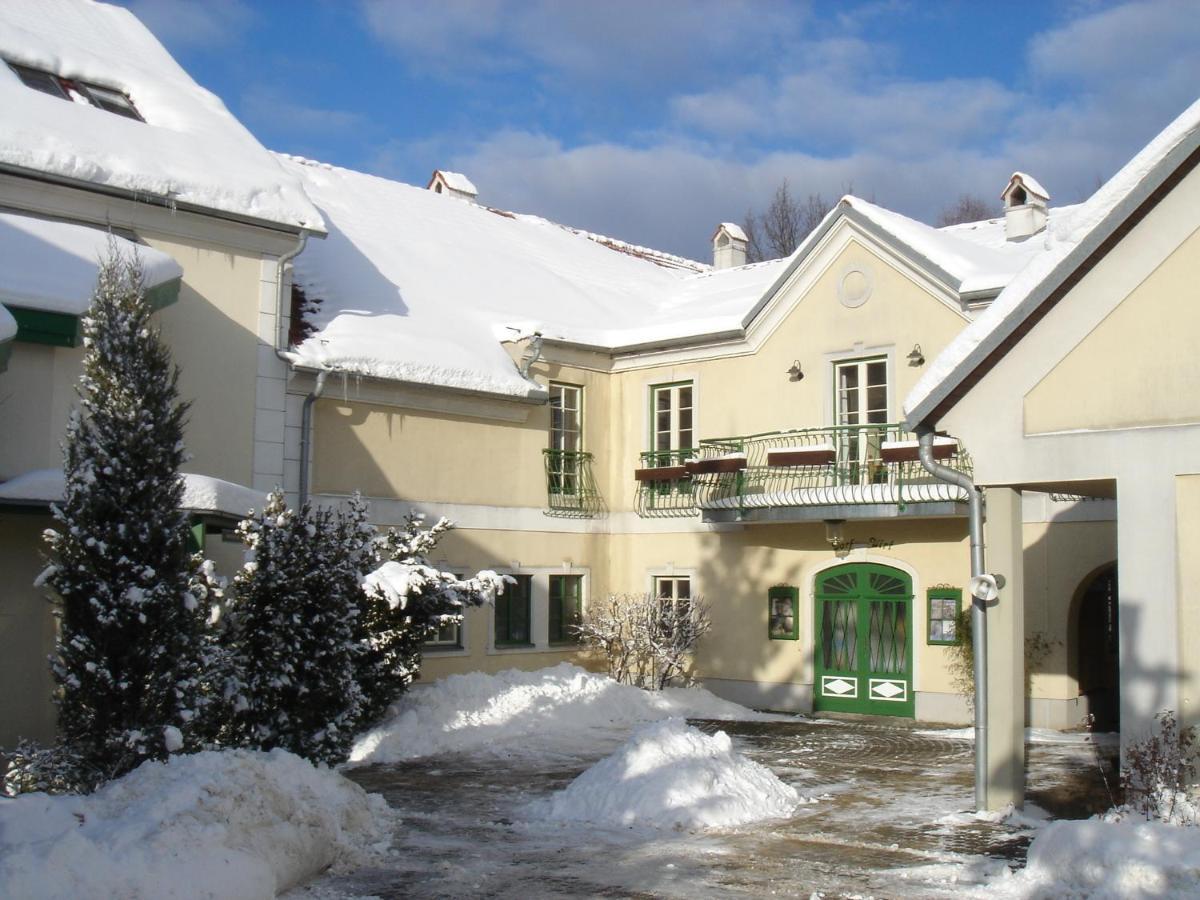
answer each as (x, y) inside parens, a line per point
(1159, 774)
(647, 641)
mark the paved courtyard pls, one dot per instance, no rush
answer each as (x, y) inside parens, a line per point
(887, 817)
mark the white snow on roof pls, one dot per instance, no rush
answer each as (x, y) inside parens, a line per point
(417, 289)
(190, 148)
(965, 352)
(457, 181)
(1031, 184)
(201, 493)
(733, 229)
(8, 325)
(970, 255)
(50, 265)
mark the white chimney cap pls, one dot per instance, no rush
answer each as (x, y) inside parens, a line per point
(733, 230)
(452, 183)
(1032, 187)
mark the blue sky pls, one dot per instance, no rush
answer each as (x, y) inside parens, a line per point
(652, 121)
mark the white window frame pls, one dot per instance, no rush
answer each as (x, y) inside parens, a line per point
(672, 389)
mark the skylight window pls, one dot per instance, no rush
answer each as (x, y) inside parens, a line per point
(80, 91)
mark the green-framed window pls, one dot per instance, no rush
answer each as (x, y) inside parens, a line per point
(672, 410)
(783, 613)
(566, 608)
(447, 636)
(566, 437)
(513, 613)
(945, 606)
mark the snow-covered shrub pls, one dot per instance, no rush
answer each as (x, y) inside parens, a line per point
(53, 770)
(132, 649)
(405, 600)
(1159, 774)
(289, 633)
(646, 640)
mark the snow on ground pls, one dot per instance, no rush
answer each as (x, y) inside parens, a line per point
(671, 775)
(233, 824)
(516, 711)
(1102, 858)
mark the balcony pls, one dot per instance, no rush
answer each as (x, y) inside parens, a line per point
(570, 488)
(665, 486)
(869, 471)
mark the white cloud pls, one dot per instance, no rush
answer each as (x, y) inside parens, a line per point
(188, 23)
(625, 41)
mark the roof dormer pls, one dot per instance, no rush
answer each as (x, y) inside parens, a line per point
(729, 246)
(1025, 207)
(453, 183)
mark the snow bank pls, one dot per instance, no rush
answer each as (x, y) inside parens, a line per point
(1102, 859)
(233, 824)
(519, 710)
(671, 775)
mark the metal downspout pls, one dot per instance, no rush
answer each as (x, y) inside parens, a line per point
(925, 437)
(305, 433)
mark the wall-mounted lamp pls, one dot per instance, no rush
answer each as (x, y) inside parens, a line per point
(916, 357)
(835, 533)
(795, 373)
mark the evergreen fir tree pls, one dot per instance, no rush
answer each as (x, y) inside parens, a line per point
(290, 634)
(132, 652)
(405, 601)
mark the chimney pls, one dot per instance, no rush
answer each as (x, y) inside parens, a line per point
(1025, 208)
(729, 246)
(453, 183)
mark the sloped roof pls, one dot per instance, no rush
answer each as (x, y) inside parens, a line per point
(51, 265)
(201, 493)
(1066, 245)
(189, 151)
(419, 287)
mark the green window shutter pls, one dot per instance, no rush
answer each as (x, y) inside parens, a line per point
(783, 613)
(513, 613)
(196, 537)
(566, 608)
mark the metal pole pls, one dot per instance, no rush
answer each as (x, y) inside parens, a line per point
(925, 437)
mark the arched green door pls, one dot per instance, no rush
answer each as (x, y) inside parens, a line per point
(864, 640)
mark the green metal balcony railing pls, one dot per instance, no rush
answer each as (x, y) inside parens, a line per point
(570, 488)
(664, 485)
(833, 466)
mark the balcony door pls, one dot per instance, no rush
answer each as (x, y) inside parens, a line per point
(861, 412)
(566, 438)
(864, 640)
(671, 427)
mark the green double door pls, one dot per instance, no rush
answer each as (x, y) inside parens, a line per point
(864, 640)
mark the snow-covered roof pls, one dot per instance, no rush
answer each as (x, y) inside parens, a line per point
(1067, 243)
(50, 265)
(975, 258)
(417, 289)
(456, 181)
(1031, 185)
(201, 493)
(190, 149)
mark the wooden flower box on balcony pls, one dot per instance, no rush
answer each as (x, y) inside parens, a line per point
(909, 451)
(717, 465)
(805, 455)
(660, 473)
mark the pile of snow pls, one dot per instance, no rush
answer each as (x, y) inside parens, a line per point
(1103, 858)
(233, 824)
(517, 710)
(671, 775)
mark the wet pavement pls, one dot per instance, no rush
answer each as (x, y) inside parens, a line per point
(887, 816)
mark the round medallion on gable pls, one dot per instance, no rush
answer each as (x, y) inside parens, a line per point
(854, 287)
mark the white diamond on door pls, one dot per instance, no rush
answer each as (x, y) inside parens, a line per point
(839, 687)
(888, 690)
